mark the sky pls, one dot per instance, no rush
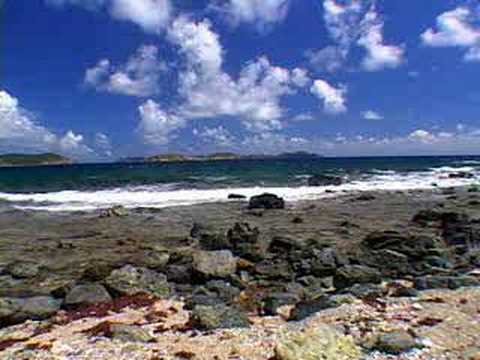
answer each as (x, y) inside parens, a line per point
(99, 80)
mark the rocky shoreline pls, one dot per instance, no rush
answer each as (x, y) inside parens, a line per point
(359, 276)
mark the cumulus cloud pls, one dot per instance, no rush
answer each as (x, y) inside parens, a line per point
(356, 23)
(456, 28)
(371, 115)
(20, 132)
(140, 76)
(103, 144)
(379, 55)
(261, 13)
(207, 91)
(156, 125)
(333, 98)
(151, 15)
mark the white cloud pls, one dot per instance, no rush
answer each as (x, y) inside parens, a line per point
(261, 13)
(303, 117)
(140, 76)
(274, 143)
(207, 91)
(371, 115)
(20, 132)
(355, 23)
(103, 144)
(333, 98)
(219, 136)
(156, 125)
(456, 28)
(379, 55)
(151, 15)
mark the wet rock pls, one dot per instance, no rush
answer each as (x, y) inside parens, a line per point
(274, 301)
(396, 342)
(321, 342)
(266, 201)
(297, 220)
(130, 333)
(325, 180)
(365, 197)
(23, 270)
(236, 197)
(214, 264)
(350, 275)
(307, 308)
(218, 317)
(87, 294)
(115, 211)
(461, 175)
(130, 280)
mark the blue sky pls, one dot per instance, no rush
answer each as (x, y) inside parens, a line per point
(103, 79)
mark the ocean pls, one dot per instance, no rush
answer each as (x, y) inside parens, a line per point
(88, 187)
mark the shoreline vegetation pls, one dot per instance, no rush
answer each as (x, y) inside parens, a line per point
(11, 160)
(372, 276)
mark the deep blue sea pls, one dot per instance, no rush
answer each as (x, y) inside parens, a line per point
(93, 186)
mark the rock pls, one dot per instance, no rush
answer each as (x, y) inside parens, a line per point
(87, 294)
(461, 175)
(214, 292)
(236, 197)
(97, 271)
(155, 260)
(323, 262)
(8, 308)
(472, 353)
(275, 269)
(458, 230)
(218, 317)
(307, 308)
(37, 308)
(325, 180)
(115, 211)
(245, 242)
(297, 220)
(23, 270)
(180, 273)
(274, 301)
(266, 201)
(365, 197)
(209, 238)
(350, 275)
(214, 264)
(284, 244)
(425, 217)
(396, 342)
(445, 282)
(390, 263)
(322, 342)
(366, 291)
(130, 280)
(130, 333)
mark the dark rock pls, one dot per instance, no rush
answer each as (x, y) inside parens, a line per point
(8, 308)
(365, 197)
(457, 229)
(325, 180)
(297, 220)
(366, 291)
(87, 294)
(276, 300)
(461, 175)
(350, 275)
(274, 269)
(209, 238)
(97, 272)
(130, 280)
(214, 264)
(390, 263)
(425, 217)
(245, 242)
(218, 317)
(396, 342)
(223, 290)
(116, 211)
(266, 201)
(180, 273)
(283, 244)
(37, 308)
(308, 308)
(404, 291)
(236, 197)
(324, 262)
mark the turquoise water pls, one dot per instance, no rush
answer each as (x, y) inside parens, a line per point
(91, 186)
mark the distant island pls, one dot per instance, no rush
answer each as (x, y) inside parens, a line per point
(33, 159)
(175, 157)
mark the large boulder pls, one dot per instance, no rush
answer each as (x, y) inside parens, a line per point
(130, 280)
(87, 294)
(350, 275)
(307, 308)
(209, 238)
(266, 201)
(320, 342)
(245, 241)
(396, 342)
(214, 264)
(445, 282)
(14, 311)
(218, 317)
(325, 180)
(459, 230)
(23, 270)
